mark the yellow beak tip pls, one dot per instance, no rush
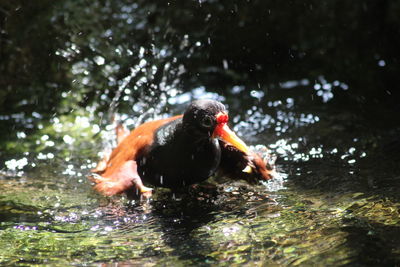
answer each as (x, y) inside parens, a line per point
(247, 169)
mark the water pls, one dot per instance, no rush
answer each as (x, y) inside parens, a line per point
(323, 107)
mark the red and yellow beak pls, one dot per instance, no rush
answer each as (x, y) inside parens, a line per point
(223, 132)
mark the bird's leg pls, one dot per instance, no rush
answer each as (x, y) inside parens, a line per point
(144, 191)
(129, 170)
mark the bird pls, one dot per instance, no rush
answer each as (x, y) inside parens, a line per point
(177, 152)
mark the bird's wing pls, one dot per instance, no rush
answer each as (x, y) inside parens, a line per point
(118, 172)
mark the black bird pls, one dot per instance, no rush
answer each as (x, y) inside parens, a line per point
(178, 151)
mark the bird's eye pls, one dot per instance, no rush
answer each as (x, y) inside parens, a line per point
(207, 122)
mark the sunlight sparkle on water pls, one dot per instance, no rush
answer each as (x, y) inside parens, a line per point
(325, 89)
(68, 139)
(99, 60)
(15, 164)
(197, 93)
(230, 230)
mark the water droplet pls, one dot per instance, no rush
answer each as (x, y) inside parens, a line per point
(225, 64)
(381, 63)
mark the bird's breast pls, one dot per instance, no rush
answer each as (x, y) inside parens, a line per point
(178, 164)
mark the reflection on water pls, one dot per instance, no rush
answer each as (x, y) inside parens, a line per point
(283, 221)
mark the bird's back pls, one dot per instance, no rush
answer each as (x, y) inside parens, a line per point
(136, 143)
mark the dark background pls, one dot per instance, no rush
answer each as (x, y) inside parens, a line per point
(265, 42)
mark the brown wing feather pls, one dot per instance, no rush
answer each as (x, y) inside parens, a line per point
(118, 172)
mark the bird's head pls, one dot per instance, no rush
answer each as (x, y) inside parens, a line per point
(208, 119)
